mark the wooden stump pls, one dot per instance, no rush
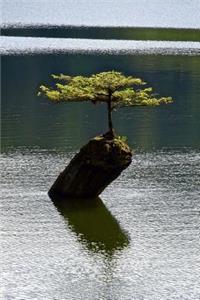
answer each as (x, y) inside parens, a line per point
(97, 164)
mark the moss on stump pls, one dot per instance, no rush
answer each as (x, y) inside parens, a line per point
(91, 170)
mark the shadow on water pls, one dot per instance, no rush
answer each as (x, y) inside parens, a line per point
(119, 33)
(93, 223)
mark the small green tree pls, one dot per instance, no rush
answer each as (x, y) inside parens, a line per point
(112, 88)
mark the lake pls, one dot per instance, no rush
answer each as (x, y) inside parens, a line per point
(110, 13)
(140, 239)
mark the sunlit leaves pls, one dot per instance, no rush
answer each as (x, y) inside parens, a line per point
(103, 87)
(61, 77)
(112, 81)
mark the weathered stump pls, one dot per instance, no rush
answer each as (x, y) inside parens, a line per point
(97, 164)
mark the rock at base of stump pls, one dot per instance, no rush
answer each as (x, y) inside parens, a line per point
(97, 164)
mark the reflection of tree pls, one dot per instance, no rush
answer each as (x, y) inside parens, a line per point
(99, 231)
(93, 224)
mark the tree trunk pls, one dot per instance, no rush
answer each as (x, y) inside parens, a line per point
(91, 170)
(110, 124)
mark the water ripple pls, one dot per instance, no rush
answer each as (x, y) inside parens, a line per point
(156, 200)
(32, 45)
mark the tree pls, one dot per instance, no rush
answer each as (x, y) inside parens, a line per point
(112, 88)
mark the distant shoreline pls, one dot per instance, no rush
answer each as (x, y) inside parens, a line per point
(19, 25)
(111, 33)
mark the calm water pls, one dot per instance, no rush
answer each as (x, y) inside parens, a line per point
(29, 121)
(140, 240)
(117, 33)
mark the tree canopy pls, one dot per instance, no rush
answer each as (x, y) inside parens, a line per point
(112, 88)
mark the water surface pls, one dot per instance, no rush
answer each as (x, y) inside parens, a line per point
(140, 240)
(143, 242)
(29, 121)
(32, 45)
(117, 33)
(112, 13)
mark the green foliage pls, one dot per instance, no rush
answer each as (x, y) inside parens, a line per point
(121, 138)
(106, 87)
(112, 88)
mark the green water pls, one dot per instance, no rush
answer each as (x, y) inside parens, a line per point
(29, 121)
(164, 34)
(141, 239)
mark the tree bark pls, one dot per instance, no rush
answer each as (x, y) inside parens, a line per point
(109, 108)
(91, 170)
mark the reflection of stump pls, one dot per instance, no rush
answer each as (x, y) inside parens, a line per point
(91, 170)
(93, 223)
